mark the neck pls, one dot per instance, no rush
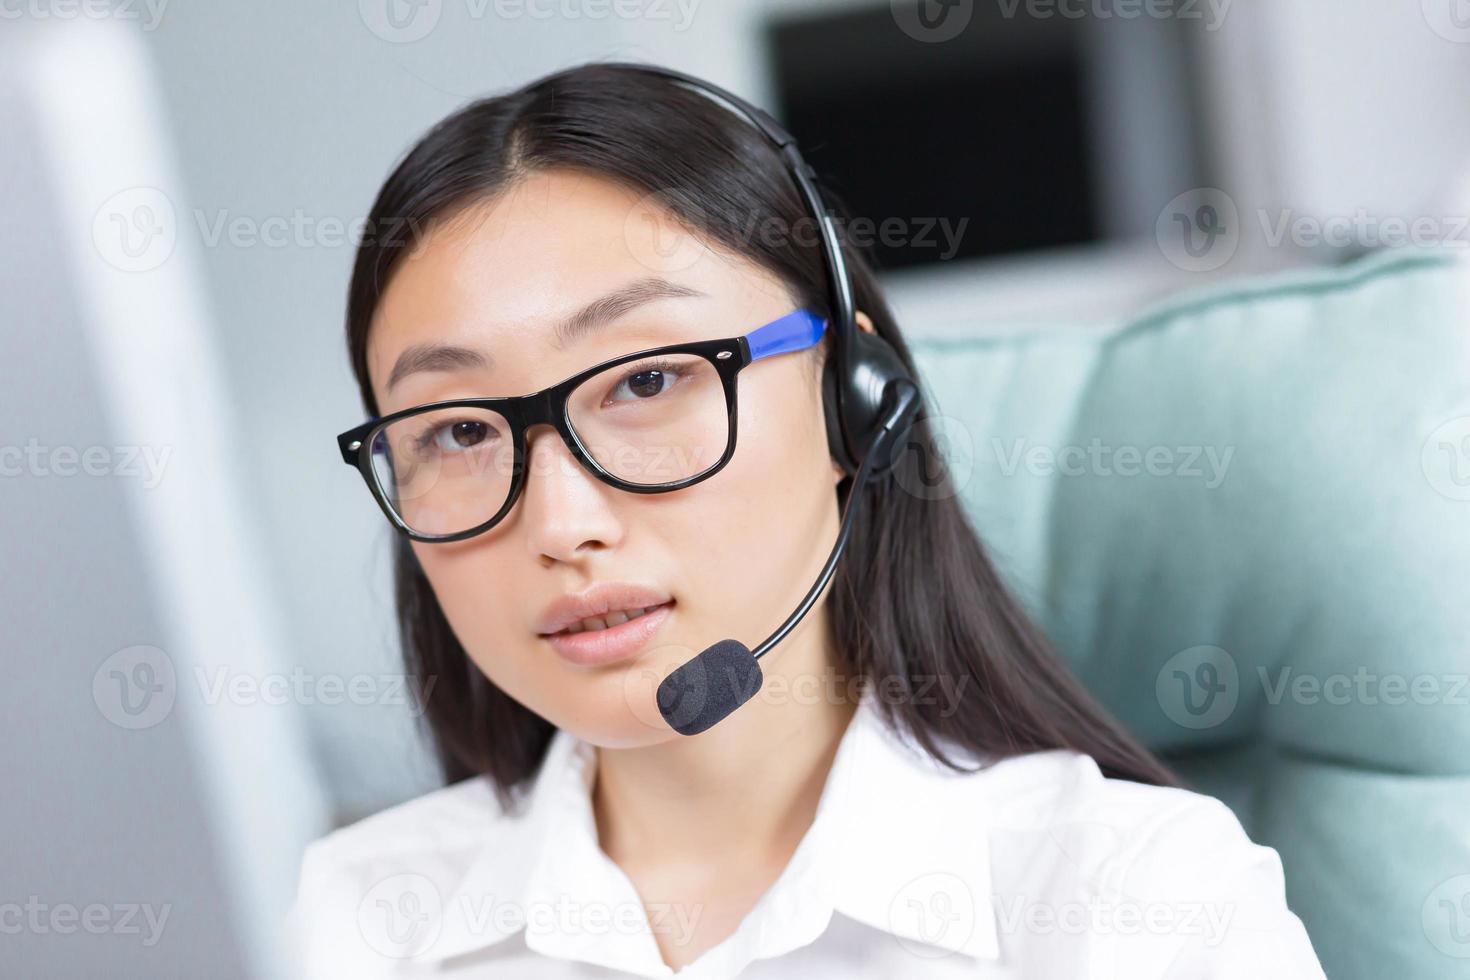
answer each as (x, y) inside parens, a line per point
(746, 789)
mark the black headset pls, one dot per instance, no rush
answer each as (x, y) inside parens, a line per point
(864, 372)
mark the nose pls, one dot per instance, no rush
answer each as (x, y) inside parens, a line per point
(566, 511)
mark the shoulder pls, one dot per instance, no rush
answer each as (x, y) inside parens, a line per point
(420, 847)
(1052, 795)
(443, 821)
(1125, 827)
(1167, 876)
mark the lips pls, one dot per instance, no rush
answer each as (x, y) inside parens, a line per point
(605, 624)
(594, 624)
(613, 644)
(600, 608)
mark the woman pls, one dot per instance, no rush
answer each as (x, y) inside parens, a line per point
(916, 785)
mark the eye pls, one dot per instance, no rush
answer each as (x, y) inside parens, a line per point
(645, 382)
(455, 436)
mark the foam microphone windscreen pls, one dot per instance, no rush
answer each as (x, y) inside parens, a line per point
(708, 688)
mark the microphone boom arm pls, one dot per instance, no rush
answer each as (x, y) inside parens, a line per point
(907, 400)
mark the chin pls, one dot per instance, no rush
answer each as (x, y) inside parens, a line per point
(616, 707)
(612, 729)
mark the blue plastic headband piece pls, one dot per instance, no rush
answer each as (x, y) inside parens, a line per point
(797, 330)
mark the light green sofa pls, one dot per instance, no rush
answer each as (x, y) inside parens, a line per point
(1244, 517)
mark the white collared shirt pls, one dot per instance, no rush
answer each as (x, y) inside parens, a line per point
(1035, 867)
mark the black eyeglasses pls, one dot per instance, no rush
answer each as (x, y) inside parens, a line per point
(648, 422)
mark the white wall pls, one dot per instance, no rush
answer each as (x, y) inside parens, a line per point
(1328, 107)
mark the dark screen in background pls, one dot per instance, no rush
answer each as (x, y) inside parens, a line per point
(964, 129)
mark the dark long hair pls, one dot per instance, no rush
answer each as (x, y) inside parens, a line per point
(913, 597)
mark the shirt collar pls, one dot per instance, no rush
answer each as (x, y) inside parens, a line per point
(895, 844)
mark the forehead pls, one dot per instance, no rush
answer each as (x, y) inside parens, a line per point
(500, 276)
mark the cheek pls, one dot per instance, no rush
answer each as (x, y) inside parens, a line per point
(486, 590)
(783, 433)
(475, 584)
(750, 529)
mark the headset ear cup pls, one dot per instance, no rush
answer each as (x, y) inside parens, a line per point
(889, 444)
(835, 442)
(875, 368)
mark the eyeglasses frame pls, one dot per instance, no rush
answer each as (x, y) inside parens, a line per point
(798, 330)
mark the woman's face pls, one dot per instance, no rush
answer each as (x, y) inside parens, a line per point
(735, 552)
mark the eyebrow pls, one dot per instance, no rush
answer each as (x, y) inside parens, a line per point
(601, 311)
